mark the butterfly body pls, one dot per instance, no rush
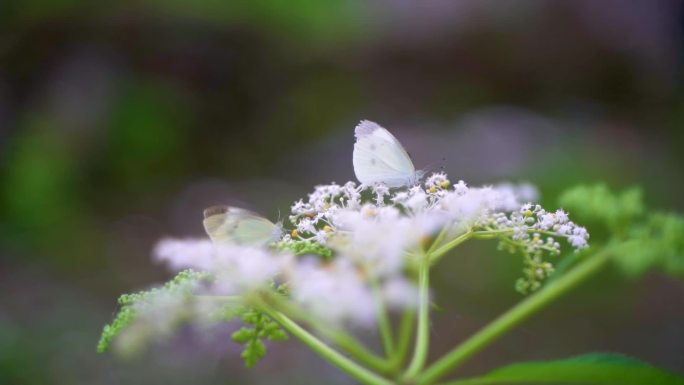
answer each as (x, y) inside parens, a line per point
(380, 158)
(239, 226)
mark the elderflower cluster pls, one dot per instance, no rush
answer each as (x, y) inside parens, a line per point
(426, 208)
(236, 269)
(350, 253)
(534, 236)
(534, 229)
(360, 243)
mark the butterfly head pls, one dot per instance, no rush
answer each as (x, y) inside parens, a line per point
(277, 232)
(416, 178)
(215, 210)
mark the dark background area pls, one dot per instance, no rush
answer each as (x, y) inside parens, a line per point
(119, 123)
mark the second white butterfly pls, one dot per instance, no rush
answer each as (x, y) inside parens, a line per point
(225, 224)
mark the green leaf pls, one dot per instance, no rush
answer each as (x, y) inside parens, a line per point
(640, 242)
(656, 243)
(599, 203)
(591, 369)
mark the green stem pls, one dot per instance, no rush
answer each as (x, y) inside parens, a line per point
(338, 337)
(383, 322)
(404, 340)
(486, 234)
(513, 317)
(437, 254)
(358, 351)
(420, 350)
(438, 239)
(350, 367)
(489, 234)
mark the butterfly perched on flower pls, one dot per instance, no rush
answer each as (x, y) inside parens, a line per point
(380, 158)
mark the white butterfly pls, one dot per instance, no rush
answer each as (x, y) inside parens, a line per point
(239, 226)
(380, 158)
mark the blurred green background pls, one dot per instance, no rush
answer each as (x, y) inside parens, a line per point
(119, 123)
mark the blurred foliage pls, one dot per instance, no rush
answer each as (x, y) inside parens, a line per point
(182, 285)
(598, 204)
(304, 20)
(40, 198)
(641, 240)
(134, 335)
(656, 243)
(149, 129)
(40, 188)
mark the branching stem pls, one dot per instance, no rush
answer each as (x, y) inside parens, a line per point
(350, 367)
(513, 317)
(420, 350)
(347, 342)
(384, 324)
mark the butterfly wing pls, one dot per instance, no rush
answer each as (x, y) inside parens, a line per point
(239, 226)
(379, 157)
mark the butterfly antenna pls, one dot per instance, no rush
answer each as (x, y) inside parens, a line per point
(430, 168)
(437, 165)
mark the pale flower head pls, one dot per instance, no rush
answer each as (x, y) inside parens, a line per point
(335, 292)
(236, 268)
(379, 241)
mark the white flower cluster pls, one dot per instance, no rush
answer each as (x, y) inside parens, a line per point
(533, 235)
(410, 214)
(376, 234)
(531, 222)
(236, 269)
(333, 292)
